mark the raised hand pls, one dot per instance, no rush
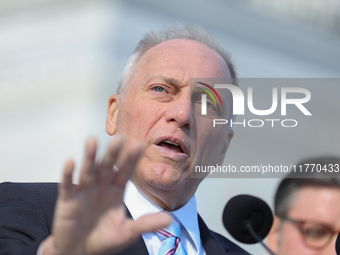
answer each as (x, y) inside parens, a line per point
(90, 219)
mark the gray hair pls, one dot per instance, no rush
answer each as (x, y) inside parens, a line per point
(181, 31)
(294, 181)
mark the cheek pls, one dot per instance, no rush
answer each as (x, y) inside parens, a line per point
(132, 120)
(291, 242)
(124, 122)
(210, 143)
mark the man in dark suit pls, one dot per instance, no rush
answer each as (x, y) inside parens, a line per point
(158, 140)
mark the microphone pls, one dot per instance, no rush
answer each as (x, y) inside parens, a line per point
(248, 219)
(337, 245)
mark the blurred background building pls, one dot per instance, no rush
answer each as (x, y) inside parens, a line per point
(61, 60)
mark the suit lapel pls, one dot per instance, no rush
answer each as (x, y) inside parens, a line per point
(211, 245)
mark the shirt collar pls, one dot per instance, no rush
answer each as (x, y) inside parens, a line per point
(187, 214)
(140, 204)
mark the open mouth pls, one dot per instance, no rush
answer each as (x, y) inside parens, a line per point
(167, 144)
(173, 145)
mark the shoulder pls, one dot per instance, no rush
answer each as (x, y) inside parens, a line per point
(38, 197)
(26, 215)
(31, 198)
(41, 193)
(35, 187)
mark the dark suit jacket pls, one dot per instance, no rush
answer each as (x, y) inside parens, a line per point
(26, 214)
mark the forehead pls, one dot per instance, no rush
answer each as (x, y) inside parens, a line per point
(317, 203)
(183, 58)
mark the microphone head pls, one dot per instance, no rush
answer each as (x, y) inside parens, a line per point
(246, 209)
(337, 245)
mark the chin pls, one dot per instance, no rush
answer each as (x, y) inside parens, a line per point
(165, 184)
(165, 178)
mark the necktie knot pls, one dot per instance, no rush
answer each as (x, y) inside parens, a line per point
(170, 237)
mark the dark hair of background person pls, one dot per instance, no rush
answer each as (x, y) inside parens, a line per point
(304, 177)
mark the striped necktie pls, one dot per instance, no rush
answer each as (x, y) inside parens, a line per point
(170, 237)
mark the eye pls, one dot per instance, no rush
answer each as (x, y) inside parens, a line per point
(158, 89)
(211, 105)
(316, 232)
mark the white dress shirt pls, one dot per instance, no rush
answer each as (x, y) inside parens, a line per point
(140, 204)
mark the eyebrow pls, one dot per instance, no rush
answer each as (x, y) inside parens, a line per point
(168, 80)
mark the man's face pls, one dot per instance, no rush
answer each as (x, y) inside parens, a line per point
(156, 110)
(310, 204)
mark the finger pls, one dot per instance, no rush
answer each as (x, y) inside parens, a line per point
(150, 223)
(128, 166)
(66, 186)
(88, 174)
(106, 169)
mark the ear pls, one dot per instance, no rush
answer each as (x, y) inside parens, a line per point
(226, 145)
(112, 113)
(273, 238)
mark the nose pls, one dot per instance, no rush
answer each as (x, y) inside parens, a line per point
(180, 112)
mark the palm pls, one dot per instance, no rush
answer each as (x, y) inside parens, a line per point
(91, 218)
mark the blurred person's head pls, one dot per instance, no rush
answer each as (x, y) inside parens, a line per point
(307, 209)
(153, 106)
